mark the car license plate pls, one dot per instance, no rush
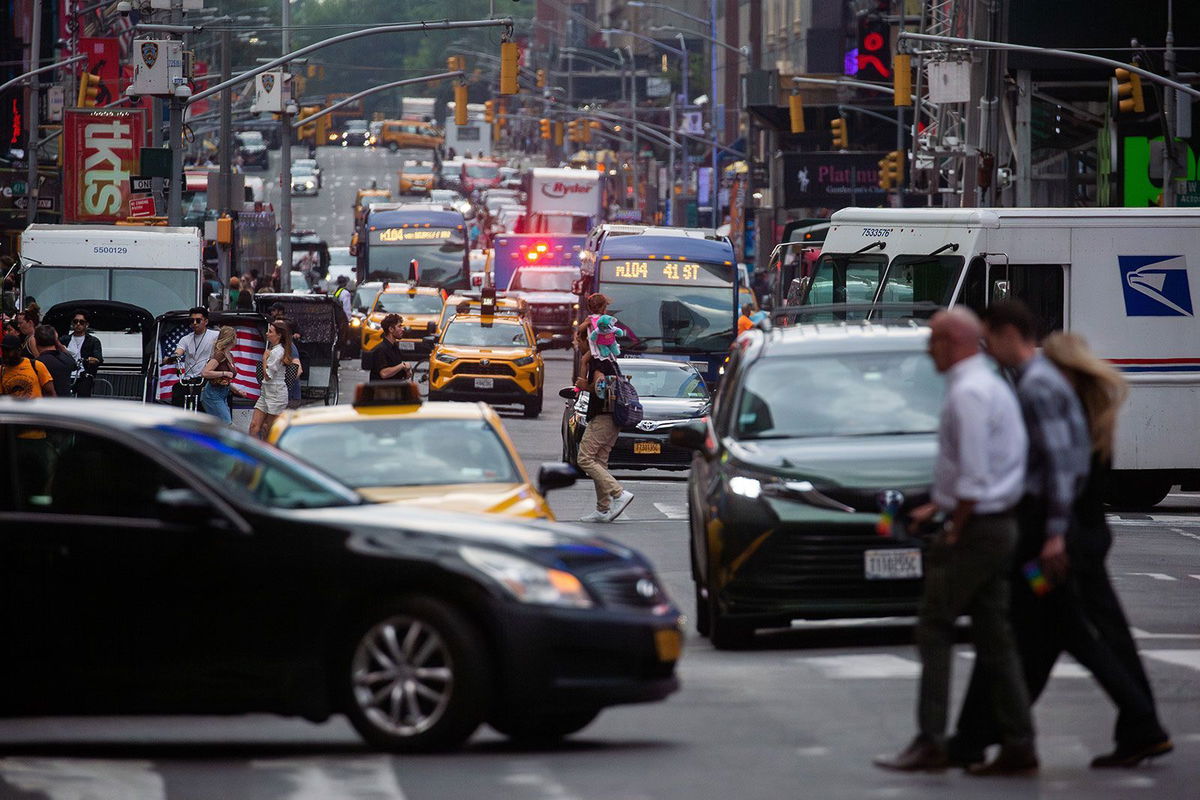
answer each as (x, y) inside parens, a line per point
(894, 564)
(485, 383)
(647, 448)
(407, 345)
(669, 645)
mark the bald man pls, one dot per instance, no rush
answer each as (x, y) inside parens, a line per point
(977, 481)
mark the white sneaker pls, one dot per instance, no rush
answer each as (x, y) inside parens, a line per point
(619, 504)
(595, 516)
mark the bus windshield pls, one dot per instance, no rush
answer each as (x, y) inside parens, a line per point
(665, 307)
(439, 252)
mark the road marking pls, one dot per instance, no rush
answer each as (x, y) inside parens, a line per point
(1158, 576)
(673, 510)
(324, 778)
(83, 778)
(855, 667)
(537, 775)
(1064, 667)
(1180, 658)
(1138, 633)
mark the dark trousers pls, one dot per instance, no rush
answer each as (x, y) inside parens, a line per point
(970, 577)
(1082, 617)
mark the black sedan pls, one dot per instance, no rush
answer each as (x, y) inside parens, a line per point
(154, 561)
(672, 393)
(820, 441)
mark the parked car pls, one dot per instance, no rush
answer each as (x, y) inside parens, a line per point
(231, 577)
(305, 181)
(312, 165)
(252, 149)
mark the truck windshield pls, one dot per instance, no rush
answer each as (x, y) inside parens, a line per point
(845, 278)
(156, 290)
(920, 279)
(544, 280)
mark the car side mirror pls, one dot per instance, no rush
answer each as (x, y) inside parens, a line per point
(429, 339)
(555, 475)
(691, 435)
(182, 506)
(543, 344)
(558, 340)
(431, 327)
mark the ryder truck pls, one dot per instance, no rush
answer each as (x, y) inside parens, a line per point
(567, 201)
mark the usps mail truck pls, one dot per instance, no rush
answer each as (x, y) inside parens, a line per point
(1125, 278)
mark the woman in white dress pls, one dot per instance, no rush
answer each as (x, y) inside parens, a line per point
(274, 397)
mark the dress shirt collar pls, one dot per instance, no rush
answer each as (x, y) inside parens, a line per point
(966, 366)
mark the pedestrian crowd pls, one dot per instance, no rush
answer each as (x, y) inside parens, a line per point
(1017, 541)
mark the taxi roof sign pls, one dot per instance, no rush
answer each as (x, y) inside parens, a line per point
(387, 393)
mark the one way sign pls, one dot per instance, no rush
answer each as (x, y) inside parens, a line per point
(142, 184)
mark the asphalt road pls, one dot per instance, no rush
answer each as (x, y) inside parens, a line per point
(798, 716)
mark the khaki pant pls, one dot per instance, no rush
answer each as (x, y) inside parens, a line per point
(598, 439)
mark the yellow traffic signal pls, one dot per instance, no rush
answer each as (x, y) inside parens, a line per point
(544, 126)
(841, 136)
(460, 104)
(489, 111)
(89, 90)
(891, 170)
(1129, 92)
(510, 55)
(902, 80)
(558, 134)
(541, 79)
(796, 112)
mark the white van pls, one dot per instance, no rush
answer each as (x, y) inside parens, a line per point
(1125, 278)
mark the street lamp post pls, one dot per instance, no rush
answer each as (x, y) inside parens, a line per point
(285, 162)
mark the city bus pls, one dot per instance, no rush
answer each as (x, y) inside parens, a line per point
(392, 235)
(674, 292)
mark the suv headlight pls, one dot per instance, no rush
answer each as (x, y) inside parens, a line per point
(524, 361)
(529, 581)
(446, 358)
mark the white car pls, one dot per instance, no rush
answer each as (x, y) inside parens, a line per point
(305, 182)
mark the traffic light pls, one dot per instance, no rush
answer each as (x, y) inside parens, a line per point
(1129, 92)
(460, 104)
(544, 126)
(891, 170)
(841, 137)
(489, 111)
(510, 55)
(796, 112)
(902, 80)
(558, 134)
(541, 79)
(89, 90)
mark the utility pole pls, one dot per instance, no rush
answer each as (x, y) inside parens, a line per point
(31, 111)
(225, 252)
(714, 183)
(1168, 111)
(637, 187)
(686, 177)
(285, 164)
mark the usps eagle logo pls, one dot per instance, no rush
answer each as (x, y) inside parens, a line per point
(268, 83)
(1156, 286)
(149, 54)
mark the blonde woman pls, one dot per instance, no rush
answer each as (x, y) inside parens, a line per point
(218, 374)
(1101, 390)
(273, 399)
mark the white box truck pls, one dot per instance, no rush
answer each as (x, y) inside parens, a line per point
(1127, 279)
(563, 200)
(123, 275)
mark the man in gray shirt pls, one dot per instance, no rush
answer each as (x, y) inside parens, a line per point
(978, 479)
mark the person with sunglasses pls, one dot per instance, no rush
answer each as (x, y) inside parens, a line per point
(195, 350)
(87, 351)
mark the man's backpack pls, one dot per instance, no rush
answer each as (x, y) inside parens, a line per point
(626, 405)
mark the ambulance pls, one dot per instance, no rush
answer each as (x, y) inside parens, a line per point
(1125, 278)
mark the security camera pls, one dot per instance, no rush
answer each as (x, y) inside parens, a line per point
(132, 95)
(183, 91)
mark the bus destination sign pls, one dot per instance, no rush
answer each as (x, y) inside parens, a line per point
(666, 272)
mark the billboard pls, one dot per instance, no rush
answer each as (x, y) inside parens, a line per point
(101, 149)
(831, 180)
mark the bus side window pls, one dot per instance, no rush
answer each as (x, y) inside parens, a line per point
(1042, 288)
(973, 294)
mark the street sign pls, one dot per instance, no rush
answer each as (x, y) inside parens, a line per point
(693, 123)
(44, 203)
(657, 87)
(144, 184)
(1187, 194)
(141, 206)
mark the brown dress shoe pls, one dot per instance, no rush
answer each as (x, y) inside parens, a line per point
(1132, 755)
(921, 754)
(1011, 760)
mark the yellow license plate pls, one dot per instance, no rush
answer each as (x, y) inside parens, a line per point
(669, 645)
(647, 448)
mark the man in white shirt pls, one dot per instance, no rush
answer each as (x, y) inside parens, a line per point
(978, 480)
(196, 348)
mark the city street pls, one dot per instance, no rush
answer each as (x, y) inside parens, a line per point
(799, 715)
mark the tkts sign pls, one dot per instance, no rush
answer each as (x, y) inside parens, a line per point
(101, 150)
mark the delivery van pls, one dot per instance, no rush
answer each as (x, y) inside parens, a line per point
(1124, 278)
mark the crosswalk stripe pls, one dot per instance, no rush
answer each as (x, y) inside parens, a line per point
(83, 778)
(673, 510)
(1181, 658)
(369, 778)
(1158, 576)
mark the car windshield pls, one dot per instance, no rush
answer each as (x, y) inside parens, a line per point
(672, 319)
(543, 280)
(252, 472)
(250, 138)
(444, 195)
(482, 171)
(856, 394)
(340, 257)
(356, 126)
(485, 334)
(305, 163)
(404, 303)
(301, 171)
(661, 380)
(405, 451)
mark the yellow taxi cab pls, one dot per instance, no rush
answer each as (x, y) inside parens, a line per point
(393, 448)
(472, 302)
(489, 354)
(400, 134)
(415, 177)
(365, 198)
(420, 307)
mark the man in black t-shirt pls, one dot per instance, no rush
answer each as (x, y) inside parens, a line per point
(387, 362)
(55, 357)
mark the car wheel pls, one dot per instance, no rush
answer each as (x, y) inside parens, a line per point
(333, 392)
(544, 726)
(725, 634)
(1136, 492)
(393, 146)
(534, 407)
(415, 677)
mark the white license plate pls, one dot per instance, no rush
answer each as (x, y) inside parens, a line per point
(890, 565)
(407, 345)
(485, 383)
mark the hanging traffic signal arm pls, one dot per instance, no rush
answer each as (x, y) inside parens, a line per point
(460, 104)
(796, 112)
(89, 90)
(841, 137)
(1129, 92)
(510, 56)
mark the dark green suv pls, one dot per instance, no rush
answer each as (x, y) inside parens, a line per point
(822, 437)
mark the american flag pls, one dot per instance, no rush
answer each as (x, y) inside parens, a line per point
(247, 355)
